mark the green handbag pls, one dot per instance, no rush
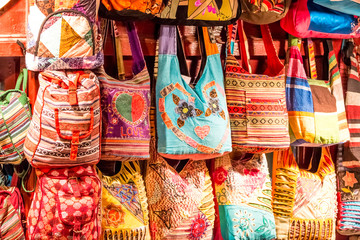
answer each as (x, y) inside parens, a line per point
(15, 117)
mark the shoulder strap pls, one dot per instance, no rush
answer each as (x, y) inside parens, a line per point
(210, 48)
(118, 50)
(167, 40)
(311, 55)
(137, 53)
(231, 38)
(22, 78)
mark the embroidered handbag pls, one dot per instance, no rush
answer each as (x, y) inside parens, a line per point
(304, 202)
(264, 11)
(124, 205)
(316, 108)
(63, 34)
(125, 106)
(199, 12)
(243, 193)
(11, 214)
(350, 7)
(181, 202)
(256, 102)
(65, 129)
(191, 122)
(66, 204)
(128, 10)
(306, 19)
(14, 121)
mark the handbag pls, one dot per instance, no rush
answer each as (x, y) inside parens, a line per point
(243, 193)
(192, 122)
(256, 102)
(304, 201)
(305, 19)
(63, 35)
(314, 106)
(65, 129)
(124, 204)
(125, 109)
(15, 119)
(346, 6)
(199, 12)
(264, 11)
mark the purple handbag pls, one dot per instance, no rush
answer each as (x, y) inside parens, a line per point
(125, 109)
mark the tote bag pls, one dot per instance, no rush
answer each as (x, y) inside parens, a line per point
(256, 102)
(305, 19)
(191, 122)
(304, 202)
(346, 6)
(125, 109)
(315, 107)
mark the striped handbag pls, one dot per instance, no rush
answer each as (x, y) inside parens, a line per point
(315, 107)
(256, 102)
(14, 121)
(65, 129)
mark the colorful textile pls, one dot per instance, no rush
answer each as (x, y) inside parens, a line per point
(191, 122)
(65, 129)
(243, 193)
(346, 6)
(181, 204)
(124, 204)
(63, 35)
(256, 103)
(11, 214)
(304, 203)
(314, 106)
(125, 109)
(264, 11)
(15, 117)
(66, 204)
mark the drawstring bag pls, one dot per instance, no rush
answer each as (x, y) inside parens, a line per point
(263, 12)
(125, 109)
(315, 107)
(304, 201)
(256, 102)
(243, 192)
(305, 19)
(192, 122)
(346, 6)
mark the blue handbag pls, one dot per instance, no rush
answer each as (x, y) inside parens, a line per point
(192, 122)
(346, 6)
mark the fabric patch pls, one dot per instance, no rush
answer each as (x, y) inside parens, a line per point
(203, 131)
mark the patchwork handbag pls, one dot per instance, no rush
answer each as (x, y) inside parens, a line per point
(11, 214)
(63, 35)
(346, 6)
(65, 129)
(199, 12)
(66, 204)
(263, 12)
(192, 122)
(181, 202)
(315, 107)
(125, 109)
(256, 102)
(243, 193)
(124, 205)
(305, 19)
(129, 10)
(14, 121)
(304, 202)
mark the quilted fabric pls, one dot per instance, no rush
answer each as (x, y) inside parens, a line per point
(63, 35)
(124, 205)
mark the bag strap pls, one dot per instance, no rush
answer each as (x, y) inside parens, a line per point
(118, 50)
(244, 47)
(136, 50)
(22, 78)
(311, 56)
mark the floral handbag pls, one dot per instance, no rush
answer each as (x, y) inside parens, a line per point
(243, 193)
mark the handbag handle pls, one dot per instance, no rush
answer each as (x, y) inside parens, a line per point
(75, 137)
(22, 78)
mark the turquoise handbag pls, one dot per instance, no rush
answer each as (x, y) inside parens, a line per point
(192, 122)
(346, 6)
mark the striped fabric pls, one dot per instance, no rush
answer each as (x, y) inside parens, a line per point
(65, 129)
(11, 207)
(15, 117)
(314, 106)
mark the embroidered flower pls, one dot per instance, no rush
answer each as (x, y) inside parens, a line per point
(214, 105)
(199, 227)
(245, 223)
(114, 121)
(114, 215)
(185, 110)
(220, 175)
